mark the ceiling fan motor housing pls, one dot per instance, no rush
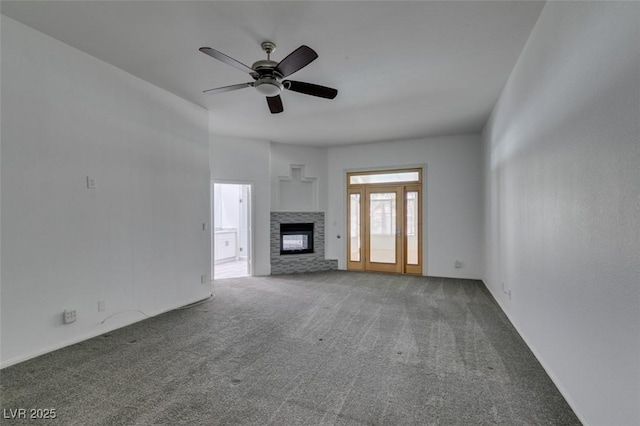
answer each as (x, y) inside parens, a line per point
(267, 79)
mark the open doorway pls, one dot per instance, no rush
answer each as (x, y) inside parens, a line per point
(231, 236)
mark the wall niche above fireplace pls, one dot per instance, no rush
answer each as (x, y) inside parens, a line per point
(296, 238)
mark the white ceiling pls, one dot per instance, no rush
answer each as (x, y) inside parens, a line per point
(403, 69)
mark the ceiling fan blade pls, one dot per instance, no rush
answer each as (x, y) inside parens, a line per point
(227, 59)
(299, 58)
(310, 89)
(275, 104)
(228, 88)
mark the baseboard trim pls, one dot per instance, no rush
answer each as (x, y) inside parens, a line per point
(563, 391)
(96, 333)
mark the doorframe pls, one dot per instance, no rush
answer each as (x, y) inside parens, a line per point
(422, 212)
(251, 223)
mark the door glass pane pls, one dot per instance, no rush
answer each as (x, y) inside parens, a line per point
(385, 177)
(382, 224)
(354, 216)
(412, 227)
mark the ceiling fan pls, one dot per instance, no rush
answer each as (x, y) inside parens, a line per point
(268, 75)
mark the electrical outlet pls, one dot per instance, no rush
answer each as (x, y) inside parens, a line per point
(203, 279)
(70, 315)
(91, 182)
(458, 264)
(102, 305)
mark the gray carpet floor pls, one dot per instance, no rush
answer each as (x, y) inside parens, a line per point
(335, 348)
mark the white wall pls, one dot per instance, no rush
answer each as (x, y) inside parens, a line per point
(453, 198)
(314, 161)
(562, 204)
(258, 162)
(246, 161)
(136, 240)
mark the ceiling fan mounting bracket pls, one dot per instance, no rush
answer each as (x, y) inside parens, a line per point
(268, 46)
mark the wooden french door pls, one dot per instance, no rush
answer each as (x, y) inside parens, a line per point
(385, 230)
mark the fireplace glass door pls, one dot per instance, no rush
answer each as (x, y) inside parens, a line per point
(296, 238)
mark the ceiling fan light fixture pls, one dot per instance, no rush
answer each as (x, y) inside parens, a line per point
(268, 86)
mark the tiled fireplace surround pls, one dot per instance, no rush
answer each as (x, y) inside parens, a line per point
(294, 263)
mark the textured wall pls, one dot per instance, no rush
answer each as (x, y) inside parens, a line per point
(562, 213)
(246, 161)
(452, 197)
(135, 241)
